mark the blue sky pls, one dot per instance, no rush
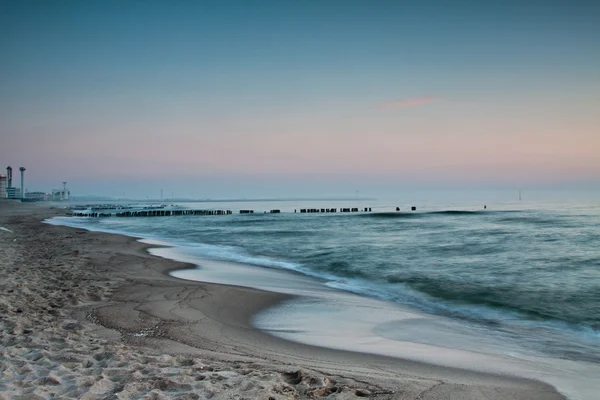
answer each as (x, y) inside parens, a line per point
(106, 94)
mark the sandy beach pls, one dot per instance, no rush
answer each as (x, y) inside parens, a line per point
(89, 315)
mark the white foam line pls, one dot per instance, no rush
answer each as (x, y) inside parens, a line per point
(4, 229)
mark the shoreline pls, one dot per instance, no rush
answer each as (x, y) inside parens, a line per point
(156, 315)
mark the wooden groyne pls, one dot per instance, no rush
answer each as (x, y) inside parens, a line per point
(121, 212)
(116, 207)
(151, 213)
(333, 210)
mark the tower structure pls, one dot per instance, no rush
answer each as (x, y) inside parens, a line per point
(22, 169)
(8, 177)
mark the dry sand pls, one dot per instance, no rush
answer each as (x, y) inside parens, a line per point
(88, 315)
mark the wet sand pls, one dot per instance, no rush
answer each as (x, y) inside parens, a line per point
(93, 315)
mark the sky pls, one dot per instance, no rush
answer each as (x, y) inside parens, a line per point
(217, 99)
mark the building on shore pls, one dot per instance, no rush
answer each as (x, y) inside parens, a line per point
(8, 191)
(3, 186)
(60, 194)
(37, 196)
(13, 193)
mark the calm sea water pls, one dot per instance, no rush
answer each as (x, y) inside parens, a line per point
(528, 272)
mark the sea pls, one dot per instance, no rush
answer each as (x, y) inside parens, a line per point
(448, 282)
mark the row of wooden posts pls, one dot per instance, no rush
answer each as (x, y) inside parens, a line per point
(168, 213)
(153, 213)
(332, 210)
(162, 213)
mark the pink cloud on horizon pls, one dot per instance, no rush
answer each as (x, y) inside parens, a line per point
(404, 103)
